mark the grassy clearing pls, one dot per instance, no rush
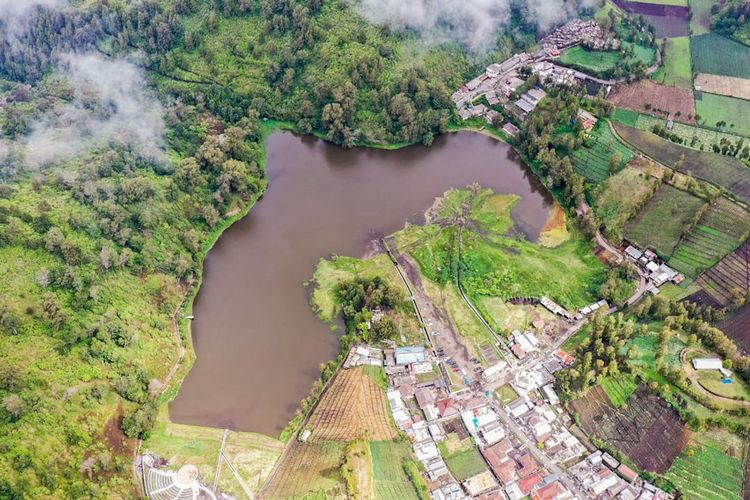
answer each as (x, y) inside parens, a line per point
(677, 67)
(713, 381)
(465, 464)
(619, 388)
(390, 478)
(506, 394)
(718, 108)
(710, 467)
(714, 54)
(507, 317)
(700, 21)
(596, 160)
(662, 222)
(601, 62)
(253, 455)
(618, 198)
(666, 2)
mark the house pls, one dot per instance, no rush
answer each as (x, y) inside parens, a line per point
(514, 492)
(550, 395)
(494, 369)
(525, 106)
(607, 479)
(447, 407)
(551, 491)
(494, 70)
(627, 473)
(633, 253)
(490, 116)
(492, 98)
(587, 120)
(409, 355)
(500, 463)
(529, 482)
(511, 129)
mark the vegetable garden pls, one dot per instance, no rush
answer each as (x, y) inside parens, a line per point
(647, 430)
(593, 160)
(717, 55)
(708, 468)
(737, 326)
(308, 468)
(725, 171)
(664, 219)
(390, 479)
(721, 229)
(729, 280)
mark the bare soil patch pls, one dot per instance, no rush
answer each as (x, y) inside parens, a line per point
(724, 85)
(652, 98)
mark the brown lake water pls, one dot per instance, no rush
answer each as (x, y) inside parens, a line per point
(258, 342)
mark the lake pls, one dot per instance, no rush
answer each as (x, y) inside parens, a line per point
(258, 343)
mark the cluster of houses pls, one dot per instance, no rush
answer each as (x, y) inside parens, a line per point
(591, 308)
(656, 270)
(524, 343)
(603, 476)
(578, 32)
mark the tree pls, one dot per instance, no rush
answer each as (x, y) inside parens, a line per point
(138, 424)
(13, 404)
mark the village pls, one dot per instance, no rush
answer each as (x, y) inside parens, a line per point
(505, 84)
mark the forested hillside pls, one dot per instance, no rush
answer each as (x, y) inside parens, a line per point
(130, 132)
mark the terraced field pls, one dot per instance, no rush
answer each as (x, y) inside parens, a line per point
(721, 229)
(619, 389)
(592, 161)
(709, 468)
(662, 222)
(737, 326)
(729, 280)
(725, 171)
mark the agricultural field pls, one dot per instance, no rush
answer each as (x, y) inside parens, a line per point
(309, 469)
(354, 407)
(647, 430)
(677, 68)
(674, 25)
(723, 227)
(724, 85)
(619, 388)
(594, 160)
(715, 109)
(737, 326)
(714, 54)
(646, 96)
(508, 317)
(725, 171)
(665, 2)
(618, 198)
(700, 21)
(710, 467)
(728, 281)
(694, 137)
(390, 479)
(664, 219)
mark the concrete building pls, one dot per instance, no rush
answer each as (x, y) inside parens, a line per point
(409, 355)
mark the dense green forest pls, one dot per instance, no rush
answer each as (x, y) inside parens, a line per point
(130, 133)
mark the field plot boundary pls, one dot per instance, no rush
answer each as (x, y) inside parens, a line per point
(730, 274)
(646, 96)
(734, 60)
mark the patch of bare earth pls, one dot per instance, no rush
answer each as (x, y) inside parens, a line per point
(724, 85)
(652, 98)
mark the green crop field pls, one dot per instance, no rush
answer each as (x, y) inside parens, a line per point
(725, 171)
(712, 53)
(592, 161)
(620, 388)
(389, 478)
(721, 229)
(677, 67)
(626, 116)
(661, 223)
(716, 108)
(710, 467)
